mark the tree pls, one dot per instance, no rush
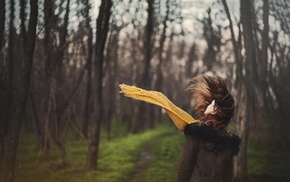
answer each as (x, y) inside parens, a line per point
(278, 73)
(213, 40)
(48, 62)
(101, 36)
(159, 82)
(145, 112)
(240, 110)
(249, 85)
(112, 72)
(88, 102)
(10, 60)
(2, 21)
(23, 94)
(2, 28)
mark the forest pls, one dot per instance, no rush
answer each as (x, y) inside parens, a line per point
(62, 117)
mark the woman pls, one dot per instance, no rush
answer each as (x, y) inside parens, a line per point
(209, 147)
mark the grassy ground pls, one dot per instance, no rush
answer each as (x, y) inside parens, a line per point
(117, 158)
(268, 163)
(151, 156)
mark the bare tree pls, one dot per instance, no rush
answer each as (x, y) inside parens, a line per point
(10, 59)
(145, 112)
(54, 51)
(159, 81)
(22, 19)
(48, 61)
(112, 72)
(2, 28)
(88, 103)
(213, 40)
(101, 36)
(281, 13)
(2, 21)
(240, 110)
(23, 94)
(250, 85)
(236, 47)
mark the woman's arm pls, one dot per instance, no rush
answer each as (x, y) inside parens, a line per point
(187, 159)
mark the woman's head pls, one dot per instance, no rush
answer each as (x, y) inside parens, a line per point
(211, 90)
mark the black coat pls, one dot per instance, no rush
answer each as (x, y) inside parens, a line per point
(207, 154)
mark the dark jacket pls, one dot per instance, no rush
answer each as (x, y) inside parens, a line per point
(207, 154)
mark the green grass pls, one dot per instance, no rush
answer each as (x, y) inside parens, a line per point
(167, 151)
(117, 159)
(269, 161)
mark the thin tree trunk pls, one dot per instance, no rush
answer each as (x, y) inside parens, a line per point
(113, 72)
(240, 162)
(20, 110)
(35, 120)
(22, 19)
(159, 82)
(145, 112)
(101, 36)
(3, 119)
(49, 64)
(88, 102)
(10, 61)
(242, 124)
(60, 143)
(238, 59)
(54, 73)
(264, 58)
(2, 21)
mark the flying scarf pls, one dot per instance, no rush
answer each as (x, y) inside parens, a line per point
(178, 116)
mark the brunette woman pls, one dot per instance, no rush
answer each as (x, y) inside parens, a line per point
(209, 148)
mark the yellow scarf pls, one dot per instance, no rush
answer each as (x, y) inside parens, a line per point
(178, 116)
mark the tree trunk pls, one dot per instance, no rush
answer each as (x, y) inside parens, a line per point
(2, 21)
(112, 80)
(54, 77)
(238, 59)
(242, 128)
(159, 82)
(60, 143)
(264, 56)
(10, 61)
(145, 111)
(242, 124)
(49, 64)
(88, 103)
(36, 119)
(3, 119)
(22, 19)
(249, 84)
(20, 110)
(101, 36)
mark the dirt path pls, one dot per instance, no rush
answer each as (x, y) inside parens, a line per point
(144, 159)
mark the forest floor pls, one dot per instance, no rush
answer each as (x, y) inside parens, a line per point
(151, 156)
(144, 159)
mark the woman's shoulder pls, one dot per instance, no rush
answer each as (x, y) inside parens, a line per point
(207, 133)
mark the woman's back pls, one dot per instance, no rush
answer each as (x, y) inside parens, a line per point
(207, 154)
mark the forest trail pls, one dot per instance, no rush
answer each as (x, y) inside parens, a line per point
(144, 159)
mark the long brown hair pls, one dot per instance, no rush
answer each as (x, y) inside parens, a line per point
(203, 90)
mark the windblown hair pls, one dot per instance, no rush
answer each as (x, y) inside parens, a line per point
(203, 90)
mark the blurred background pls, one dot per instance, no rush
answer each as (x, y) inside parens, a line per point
(61, 62)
